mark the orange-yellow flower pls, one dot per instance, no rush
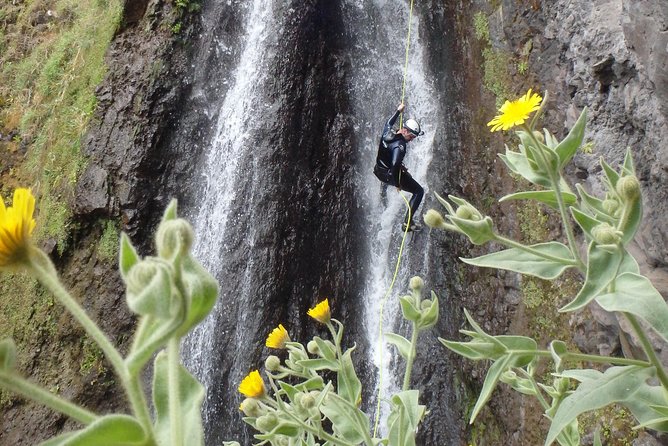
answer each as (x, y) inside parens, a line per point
(278, 337)
(252, 385)
(321, 312)
(16, 225)
(515, 112)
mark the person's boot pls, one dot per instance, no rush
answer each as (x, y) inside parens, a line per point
(413, 227)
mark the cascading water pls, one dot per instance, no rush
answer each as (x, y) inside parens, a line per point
(377, 74)
(223, 174)
(288, 208)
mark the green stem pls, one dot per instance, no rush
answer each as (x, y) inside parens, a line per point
(175, 418)
(322, 434)
(52, 283)
(649, 350)
(35, 393)
(539, 394)
(570, 356)
(513, 244)
(411, 358)
(555, 180)
(42, 269)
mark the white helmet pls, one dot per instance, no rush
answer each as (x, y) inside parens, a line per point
(413, 126)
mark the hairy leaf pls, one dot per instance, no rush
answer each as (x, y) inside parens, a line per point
(519, 164)
(190, 396)
(402, 344)
(567, 148)
(617, 384)
(128, 256)
(348, 422)
(548, 197)
(349, 386)
(602, 268)
(404, 418)
(635, 294)
(518, 260)
(110, 430)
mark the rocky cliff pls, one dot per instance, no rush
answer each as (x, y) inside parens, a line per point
(607, 55)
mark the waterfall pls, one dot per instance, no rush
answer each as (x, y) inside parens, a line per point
(246, 197)
(378, 31)
(222, 173)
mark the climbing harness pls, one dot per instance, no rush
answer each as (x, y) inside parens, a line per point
(403, 240)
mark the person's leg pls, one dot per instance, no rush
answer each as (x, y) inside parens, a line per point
(407, 183)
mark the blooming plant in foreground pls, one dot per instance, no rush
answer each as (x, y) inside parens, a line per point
(170, 294)
(610, 277)
(303, 408)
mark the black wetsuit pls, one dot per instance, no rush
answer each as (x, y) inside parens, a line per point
(389, 167)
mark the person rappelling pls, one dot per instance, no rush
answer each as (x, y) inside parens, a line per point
(389, 166)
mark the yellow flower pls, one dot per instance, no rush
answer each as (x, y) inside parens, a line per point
(515, 112)
(252, 385)
(321, 312)
(278, 337)
(16, 225)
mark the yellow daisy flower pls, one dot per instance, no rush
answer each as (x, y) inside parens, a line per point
(252, 385)
(515, 112)
(16, 225)
(278, 337)
(321, 312)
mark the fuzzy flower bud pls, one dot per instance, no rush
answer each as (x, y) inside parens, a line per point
(628, 188)
(425, 304)
(174, 237)
(604, 234)
(468, 213)
(250, 407)
(434, 219)
(416, 283)
(272, 363)
(266, 422)
(610, 206)
(149, 288)
(312, 348)
(307, 401)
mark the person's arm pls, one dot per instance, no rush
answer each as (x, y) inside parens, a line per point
(390, 122)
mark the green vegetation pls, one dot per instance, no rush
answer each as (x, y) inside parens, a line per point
(107, 248)
(52, 60)
(496, 75)
(481, 26)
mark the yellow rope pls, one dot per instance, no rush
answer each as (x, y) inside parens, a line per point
(403, 240)
(380, 325)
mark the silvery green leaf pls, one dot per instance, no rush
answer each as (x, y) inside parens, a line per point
(326, 349)
(190, 396)
(616, 384)
(349, 385)
(491, 380)
(610, 174)
(127, 255)
(570, 435)
(632, 222)
(594, 206)
(201, 289)
(408, 308)
(445, 203)
(110, 430)
(602, 268)
(519, 164)
(7, 354)
(402, 344)
(569, 145)
(629, 265)
(550, 140)
(548, 197)
(557, 350)
(170, 211)
(429, 316)
(518, 260)
(465, 349)
(585, 221)
(635, 294)
(348, 422)
(404, 418)
(318, 364)
(628, 167)
(479, 232)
